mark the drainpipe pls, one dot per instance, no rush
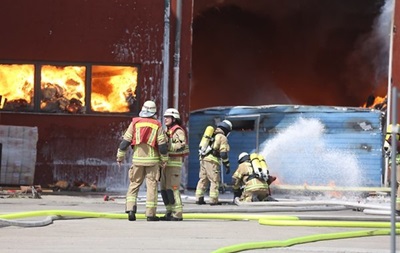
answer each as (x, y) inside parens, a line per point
(165, 90)
(393, 173)
(177, 51)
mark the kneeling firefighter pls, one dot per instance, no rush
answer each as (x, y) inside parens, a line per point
(213, 150)
(171, 175)
(251, 180)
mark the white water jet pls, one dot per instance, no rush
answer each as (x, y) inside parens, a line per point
(299, 155)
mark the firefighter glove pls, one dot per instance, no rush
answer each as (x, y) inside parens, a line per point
(227, 169)
(237, 193)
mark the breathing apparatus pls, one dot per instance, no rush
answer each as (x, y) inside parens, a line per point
(255, 163)
(264, 167)
(206, 140)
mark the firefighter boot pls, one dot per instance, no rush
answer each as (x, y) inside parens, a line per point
(131, 216)
(201, 201)
(166, 217)
(153, 218)
(176, 219)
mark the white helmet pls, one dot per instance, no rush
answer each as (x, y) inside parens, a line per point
(173, 113)
(149, 109)
(243, 157)
(226, 125)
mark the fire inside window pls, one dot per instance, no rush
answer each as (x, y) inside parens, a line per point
(67, 89)
(16, 87)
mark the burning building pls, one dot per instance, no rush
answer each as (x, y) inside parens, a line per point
(73, 81)
(78, 79)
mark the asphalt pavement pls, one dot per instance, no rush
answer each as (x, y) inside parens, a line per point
(96, 225)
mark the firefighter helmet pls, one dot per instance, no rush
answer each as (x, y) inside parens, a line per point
(226, 126)
(243, 157)
(173, 113)
(389, 132)
(149, 109)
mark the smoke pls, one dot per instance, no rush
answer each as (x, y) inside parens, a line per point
(278, 52)
(374, 48)
(300, 154)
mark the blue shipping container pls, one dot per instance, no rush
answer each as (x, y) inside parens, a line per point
(313, 145)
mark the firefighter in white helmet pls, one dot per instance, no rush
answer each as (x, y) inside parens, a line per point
(210, 168)
(248, 185)
(171, 174)
(149, 142)
(389, 153)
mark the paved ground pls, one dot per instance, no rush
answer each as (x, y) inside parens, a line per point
(77, 234)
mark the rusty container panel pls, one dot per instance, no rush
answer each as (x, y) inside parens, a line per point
(396, 53)
(81, 148)
(93, 31)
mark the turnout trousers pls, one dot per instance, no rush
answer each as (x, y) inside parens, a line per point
(170, 184)
(137, 174)
(209, 175)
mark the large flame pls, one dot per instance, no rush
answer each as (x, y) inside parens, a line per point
(113, 88)
(16, 83)
(63, 88)
(59, 83)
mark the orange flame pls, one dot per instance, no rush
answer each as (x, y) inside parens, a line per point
(67, 82)
(333, 194)
(376, 102)
(113, 88)
(16, 82)
(63, 87)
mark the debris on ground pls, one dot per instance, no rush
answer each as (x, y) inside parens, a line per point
(32, 191)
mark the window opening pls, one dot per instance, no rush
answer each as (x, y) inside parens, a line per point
(243, 124)
(62, 88)
(16, 87)
(113, 88)
(68, 88)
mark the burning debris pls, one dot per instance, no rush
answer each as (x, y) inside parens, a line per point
(16, 105)
(63, 185)
(379, 103)
(53, 100)
(32, 191)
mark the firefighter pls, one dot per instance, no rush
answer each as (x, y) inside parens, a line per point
(171, 174)
(149, 142)
(389, 153)
(248, 185)
(210, 168)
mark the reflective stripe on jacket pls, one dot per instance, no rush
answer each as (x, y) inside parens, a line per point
(144, 153)
(241, 176)
(145, 131)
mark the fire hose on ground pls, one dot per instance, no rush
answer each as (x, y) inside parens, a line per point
(271, 220)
